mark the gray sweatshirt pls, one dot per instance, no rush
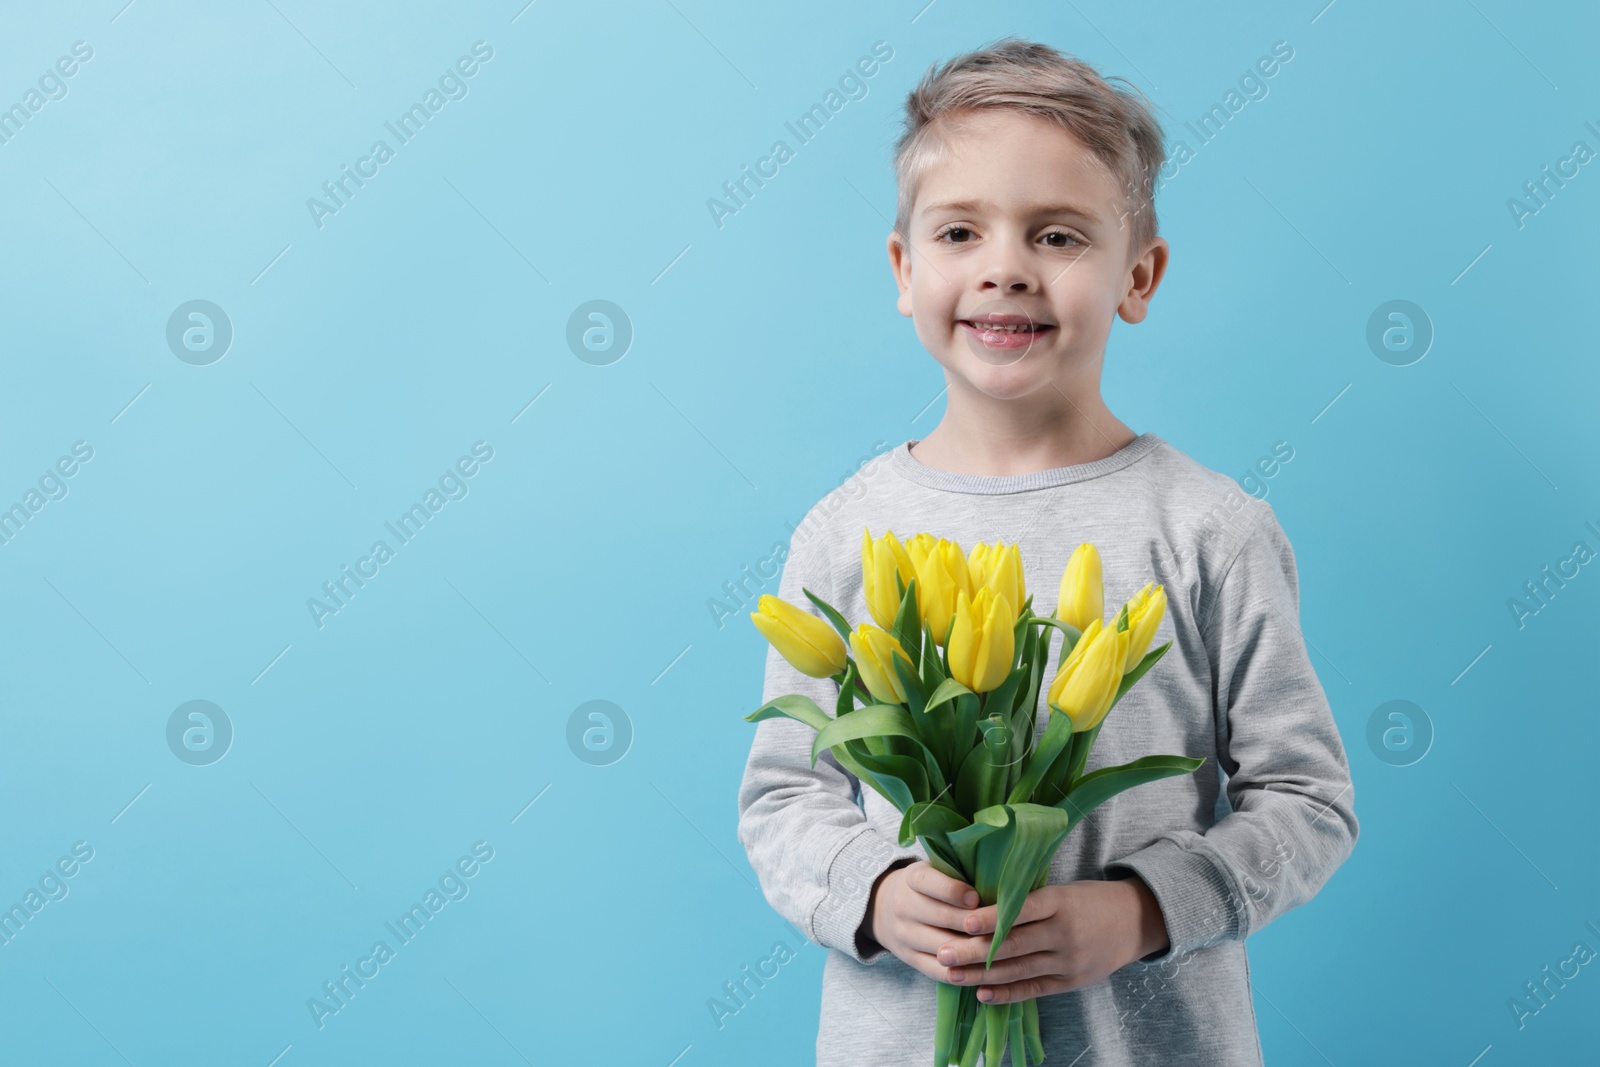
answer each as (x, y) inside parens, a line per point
(1254, 832)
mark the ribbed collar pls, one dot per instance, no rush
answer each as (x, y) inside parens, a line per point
(903, 463)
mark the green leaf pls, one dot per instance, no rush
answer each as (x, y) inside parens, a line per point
(981, 781)
(942, 859)
(876, 720)
(902, 780)
(1020, 632)
(964, 735)
(848, 755)
(933, 675)
(1004, 695)
(910, 684)
(952, 726)
(932, 730)
(1072, 632)
(948, 690)
(1057, 735)
(1070, 769)
(1013, 857)
(1028, 697)
(907, 627)
(827, 610)
(1096, 787)
(847, 690)
(930, 817)
(965, 841)
(1024, 723)
(794, 706)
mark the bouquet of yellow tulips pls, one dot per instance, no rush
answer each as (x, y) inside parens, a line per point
(947, 683)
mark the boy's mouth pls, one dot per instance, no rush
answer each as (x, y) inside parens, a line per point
(1005, 331)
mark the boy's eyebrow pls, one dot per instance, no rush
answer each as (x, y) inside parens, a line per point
(1036, 209)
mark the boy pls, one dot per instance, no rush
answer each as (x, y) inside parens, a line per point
(1024, 223)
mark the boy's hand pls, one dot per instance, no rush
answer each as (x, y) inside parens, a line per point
(915, 909)
(1066, 936)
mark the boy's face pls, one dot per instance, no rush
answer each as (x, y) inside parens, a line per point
(1020, 225)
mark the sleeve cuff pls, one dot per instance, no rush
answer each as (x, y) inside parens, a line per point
(851, 875)
(1198, 901)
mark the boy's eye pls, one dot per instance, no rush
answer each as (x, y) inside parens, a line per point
(1066, 238)
(950, 231)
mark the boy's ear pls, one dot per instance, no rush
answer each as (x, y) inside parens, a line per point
(900, 265)
(1144, 275)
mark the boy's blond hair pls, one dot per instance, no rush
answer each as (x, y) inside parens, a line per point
(1118, 127)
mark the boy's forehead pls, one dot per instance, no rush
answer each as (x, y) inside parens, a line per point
(1012, 161)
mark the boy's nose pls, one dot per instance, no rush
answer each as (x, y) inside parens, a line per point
(1007, 270)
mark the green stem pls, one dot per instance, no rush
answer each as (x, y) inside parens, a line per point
(1069, 768)
(995, 1033)
(980, 1019)
(1019, 1044)
(1031, 1031)
(949, 1013)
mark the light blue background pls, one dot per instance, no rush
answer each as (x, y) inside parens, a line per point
(767, 360)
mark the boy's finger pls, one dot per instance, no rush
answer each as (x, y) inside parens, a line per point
(929, 882)
(925, 963)
(1013, 969)
(982, 920)
(970, 951)
(936, 915)
(927, 938)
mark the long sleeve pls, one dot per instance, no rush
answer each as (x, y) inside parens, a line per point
(815, 853)
(1292, 821)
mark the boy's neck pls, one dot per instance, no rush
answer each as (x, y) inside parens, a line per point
(1008, 438)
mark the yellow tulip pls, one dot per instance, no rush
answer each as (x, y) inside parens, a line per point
(999, 566)
(983, 642)
(1145, 611)
(942, 575)
(881, 560)
(1082, 592)
(810, 644)
(874, 651)
(1087, 682)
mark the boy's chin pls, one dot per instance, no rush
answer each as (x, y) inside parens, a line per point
(1002, 382)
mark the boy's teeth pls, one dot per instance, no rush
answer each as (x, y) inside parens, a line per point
(999, 327)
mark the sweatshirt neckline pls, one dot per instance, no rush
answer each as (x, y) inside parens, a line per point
(909, 467)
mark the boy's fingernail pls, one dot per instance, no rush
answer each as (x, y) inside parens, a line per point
(947, 957)
(971, 899)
